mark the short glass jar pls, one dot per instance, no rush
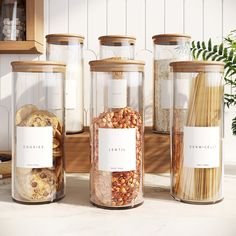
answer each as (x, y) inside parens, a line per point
(13, 20)
(68, 48)
(116, 133)
(120, 46)
(197, 131)
(167, 48)
(38, 131)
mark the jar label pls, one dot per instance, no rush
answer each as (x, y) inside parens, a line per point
(116, 149)
(117, 93)
(34, 147)
(202, 147)
(71, 89)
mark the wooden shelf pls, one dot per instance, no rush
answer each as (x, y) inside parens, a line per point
(34, 32)
(156, 156)
(20, 47)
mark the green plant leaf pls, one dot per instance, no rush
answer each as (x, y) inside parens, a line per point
(234, 126)
(209, 45)
(215, 48)
(209, 55)
(199, 53)
(231, 54)
(214, 57)
(198, 45)
(203, 45)
(225, 52)
(204, 55)
(220, 51)
(234, 60)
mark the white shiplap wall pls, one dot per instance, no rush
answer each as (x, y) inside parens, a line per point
(142, 18)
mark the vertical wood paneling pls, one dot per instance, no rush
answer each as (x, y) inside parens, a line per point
(213, 20)
(58, 16)
(116, 11)
(96, 22)
(174, 16)
(154, 20)
(194, 19)
(229, 19)
(6, 96)
(136, 21)
(78, 17)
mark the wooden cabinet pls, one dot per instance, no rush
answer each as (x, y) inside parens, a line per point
(34, 32)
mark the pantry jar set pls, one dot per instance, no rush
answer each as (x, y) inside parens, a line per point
(48, 103)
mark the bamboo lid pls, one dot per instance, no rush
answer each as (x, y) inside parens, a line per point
(117, 40)
(165, 39)
(116, 65)
(197, 66)
(38, 66)
(64, 38)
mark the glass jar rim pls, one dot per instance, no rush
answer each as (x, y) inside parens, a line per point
(165, 39)
(197, 66)
(117, 65)
(116, 40)
(38, 66)
(64, 38)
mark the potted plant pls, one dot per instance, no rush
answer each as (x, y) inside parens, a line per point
(226, 52)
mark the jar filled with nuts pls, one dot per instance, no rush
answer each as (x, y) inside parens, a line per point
(13, 20)
(121, 46)
(37, 138)
(167, 48)
(116, 133)
(68, 48)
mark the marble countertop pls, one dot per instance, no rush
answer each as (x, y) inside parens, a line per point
(160, 215)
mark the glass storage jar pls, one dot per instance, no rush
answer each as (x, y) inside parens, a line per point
(13, 20)
(197, 131)
(167, 48)
(121, 46)
(68, 48)
(116, 133)
(38, 131)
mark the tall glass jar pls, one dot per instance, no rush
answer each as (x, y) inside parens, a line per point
(38, 131)
(13, 20)
(121, 46)
(197, 131)
(116, 133)
(167, 48)
(68, 48)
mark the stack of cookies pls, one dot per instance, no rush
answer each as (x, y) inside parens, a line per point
(41, 184)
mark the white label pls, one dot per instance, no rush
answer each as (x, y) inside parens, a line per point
(182, 93)
(34, 147)
(71, 89)
(117, 149)
(202, 147)
(117, 93)
(165, 94)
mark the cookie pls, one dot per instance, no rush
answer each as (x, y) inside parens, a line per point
(42, 118)
(24, 112)
(38, 185)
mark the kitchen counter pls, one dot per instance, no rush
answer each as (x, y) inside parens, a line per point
(160, 215)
